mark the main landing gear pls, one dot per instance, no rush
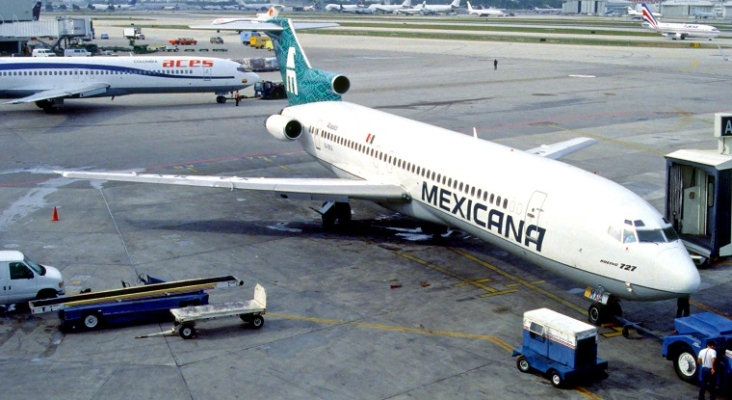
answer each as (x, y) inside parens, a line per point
(333, 212)
(49, 106)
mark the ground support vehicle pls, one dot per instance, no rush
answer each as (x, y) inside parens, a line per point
(246, 37)
(249, 311)
(129, 304)
(692, 334)
(260, 42)
(23, 280)
(559, 346)
(267, 90)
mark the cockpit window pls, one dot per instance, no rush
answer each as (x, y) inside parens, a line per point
(671, 234)
(241, 69)
(650, 236)
(635, 232)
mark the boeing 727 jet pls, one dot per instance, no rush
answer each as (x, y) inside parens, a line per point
(572, 222)
(48, 81)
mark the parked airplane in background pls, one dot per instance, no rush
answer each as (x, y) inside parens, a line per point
(49, 81)
(486, 12)
(701, 14)
(547, 10)
(724, 56)
(410, 10)
(104, 7)
(440, 8)
(256, 6)
(676, 30)
(390, 8)
(273, 12)
(572, 222)
(359, 8)
(636, 14)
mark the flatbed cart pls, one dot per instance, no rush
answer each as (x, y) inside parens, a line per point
(250, 311)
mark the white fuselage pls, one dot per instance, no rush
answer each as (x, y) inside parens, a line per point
(124, 75)
(686, 30)
(486, 12)
(562, 218)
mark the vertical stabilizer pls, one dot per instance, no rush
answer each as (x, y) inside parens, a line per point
(303, 83)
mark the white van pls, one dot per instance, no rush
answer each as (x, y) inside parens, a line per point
(43, 53)
(22, 280)
(76, 53)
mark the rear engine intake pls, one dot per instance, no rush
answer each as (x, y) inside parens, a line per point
(283, 128)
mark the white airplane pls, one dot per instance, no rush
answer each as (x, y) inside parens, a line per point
(676, 30)
(572, 222)
(104, 7)
(701, 14)
(633, 13)
(410, 10)
(349, 8)
(390, 8)
(273, 12)
(486, 12)
(256, 6)
(440, 8)
(48, 81)
(724, 56)
(547, 10)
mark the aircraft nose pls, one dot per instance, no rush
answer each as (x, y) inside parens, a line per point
(681, 274)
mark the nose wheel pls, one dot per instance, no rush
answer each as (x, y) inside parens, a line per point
(598, 313)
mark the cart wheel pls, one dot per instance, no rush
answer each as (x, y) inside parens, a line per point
(523, 364)
(187, 331)
(556, 379)
(257, 322)
(92, 321)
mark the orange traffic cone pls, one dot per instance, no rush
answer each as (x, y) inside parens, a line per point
(55, 215)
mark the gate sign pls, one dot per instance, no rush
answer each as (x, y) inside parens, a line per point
(723, 125)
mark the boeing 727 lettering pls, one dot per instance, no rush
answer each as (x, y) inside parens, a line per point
(571, 222)
(48, 81)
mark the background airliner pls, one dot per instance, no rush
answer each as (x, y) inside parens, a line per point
(440, 8)
(47, 81)
(676, 30)
(567, 220)
(638, 14)
(390, 8)
(103, 7)
(273, 12)
(486, 12)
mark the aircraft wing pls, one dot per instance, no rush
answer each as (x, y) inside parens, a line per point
(561, 149)
(263, 26)
(321, 189)
(75, 90)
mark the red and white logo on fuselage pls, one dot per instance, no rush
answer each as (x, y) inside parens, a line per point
(184, 63)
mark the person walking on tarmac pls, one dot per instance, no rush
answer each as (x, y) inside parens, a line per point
(495, 64)
(236, 98)
(707, 377)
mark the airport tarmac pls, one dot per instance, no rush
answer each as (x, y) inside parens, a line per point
(375, 312)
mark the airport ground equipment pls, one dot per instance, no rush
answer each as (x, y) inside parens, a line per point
(182, 41)
(22, 279)
(561, 347)
(154, 287)
(692, 334)
(699, 195)
(260, 42)
(267, 90)
(250, 311)
(246, 36)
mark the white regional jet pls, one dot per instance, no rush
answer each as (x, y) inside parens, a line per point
(486, 12)
(572, 222)
(273, 12)
(47, 81)
(390, 8)
(677, 30)
(440, 8)
(105, 7)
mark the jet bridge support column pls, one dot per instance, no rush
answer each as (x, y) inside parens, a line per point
(699, 195)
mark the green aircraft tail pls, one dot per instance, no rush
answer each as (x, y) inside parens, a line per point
(303, 83)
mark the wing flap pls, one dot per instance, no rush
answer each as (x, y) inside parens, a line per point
(79, 90)
(321, 189)
(561, 149)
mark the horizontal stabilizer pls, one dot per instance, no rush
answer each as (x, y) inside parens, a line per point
(263, 26)
(321, 189)
(561, 149)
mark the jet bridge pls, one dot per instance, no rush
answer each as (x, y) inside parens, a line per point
(699, 195)
(66, 30)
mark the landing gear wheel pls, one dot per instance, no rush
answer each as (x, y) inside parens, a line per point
(556, 379)
(92, 321)
(340, 212)
(187, 331)
(685, 365)
(523, 364)
(220, 99)
(596, 314)
(257, 322)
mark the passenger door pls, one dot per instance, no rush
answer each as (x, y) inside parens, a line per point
(4, 283)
